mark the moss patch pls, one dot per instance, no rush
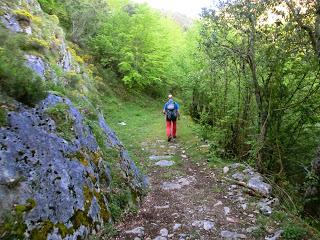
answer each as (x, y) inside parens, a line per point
(13, 226)
(3, 117)
(37, 44)
(64, 122)
(42, 232)
(22, 14)
(80, 218)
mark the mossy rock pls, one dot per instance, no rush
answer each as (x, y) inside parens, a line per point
(25, 15)
(37, 44)
(64, 122)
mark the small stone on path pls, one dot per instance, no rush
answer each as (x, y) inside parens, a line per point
(176, 226)
(217, 204)
(139, 231)
(162, 207)
(232, 235)
(164, 163)
(244, 206)
(205, 224)
(226, 210)
(160, 238)
(158, 158)
(225, 170)
(170, 186)
(232, 220)
(178, 184)
(164, 232)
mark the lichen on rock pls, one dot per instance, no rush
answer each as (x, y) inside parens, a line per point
(69, 181)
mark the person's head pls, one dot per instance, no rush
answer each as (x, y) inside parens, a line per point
(170, 96)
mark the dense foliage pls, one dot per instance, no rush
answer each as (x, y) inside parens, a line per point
(17, 80)
(80, 18)
(258, 90)
(137, 43)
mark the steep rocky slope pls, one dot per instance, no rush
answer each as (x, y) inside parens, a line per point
(63, 171)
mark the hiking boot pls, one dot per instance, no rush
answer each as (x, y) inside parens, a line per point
(169, 139)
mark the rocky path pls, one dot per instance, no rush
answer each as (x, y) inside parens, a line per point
(189, 200)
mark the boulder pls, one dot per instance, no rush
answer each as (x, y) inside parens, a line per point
(58, 183)
(258, 185)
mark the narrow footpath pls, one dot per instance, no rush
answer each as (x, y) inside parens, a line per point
(189, 200)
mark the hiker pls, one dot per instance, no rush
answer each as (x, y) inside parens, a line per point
(171, 111)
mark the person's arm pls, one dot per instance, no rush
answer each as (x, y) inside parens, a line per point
(164, 109)
(178, 110)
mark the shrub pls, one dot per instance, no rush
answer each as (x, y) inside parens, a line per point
(37, 44)
(294, 232)
(16, 79)
(22, 14)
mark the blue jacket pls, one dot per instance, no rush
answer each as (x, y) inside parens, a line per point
(176, 105)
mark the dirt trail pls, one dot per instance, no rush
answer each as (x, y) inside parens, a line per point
(188, 201)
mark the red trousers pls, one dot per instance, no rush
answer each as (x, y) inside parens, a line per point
(171, 128)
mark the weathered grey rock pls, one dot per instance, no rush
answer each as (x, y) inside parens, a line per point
(11, 22)
(36, 64)
(40, 166)
(65, 60)
(258, 185)
(232, 235)
(164, 163)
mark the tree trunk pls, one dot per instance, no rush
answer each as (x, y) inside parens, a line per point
(262, 114)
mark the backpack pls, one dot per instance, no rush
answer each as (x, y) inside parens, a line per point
(171, 112)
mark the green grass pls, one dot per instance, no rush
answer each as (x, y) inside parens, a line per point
(145, 123)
